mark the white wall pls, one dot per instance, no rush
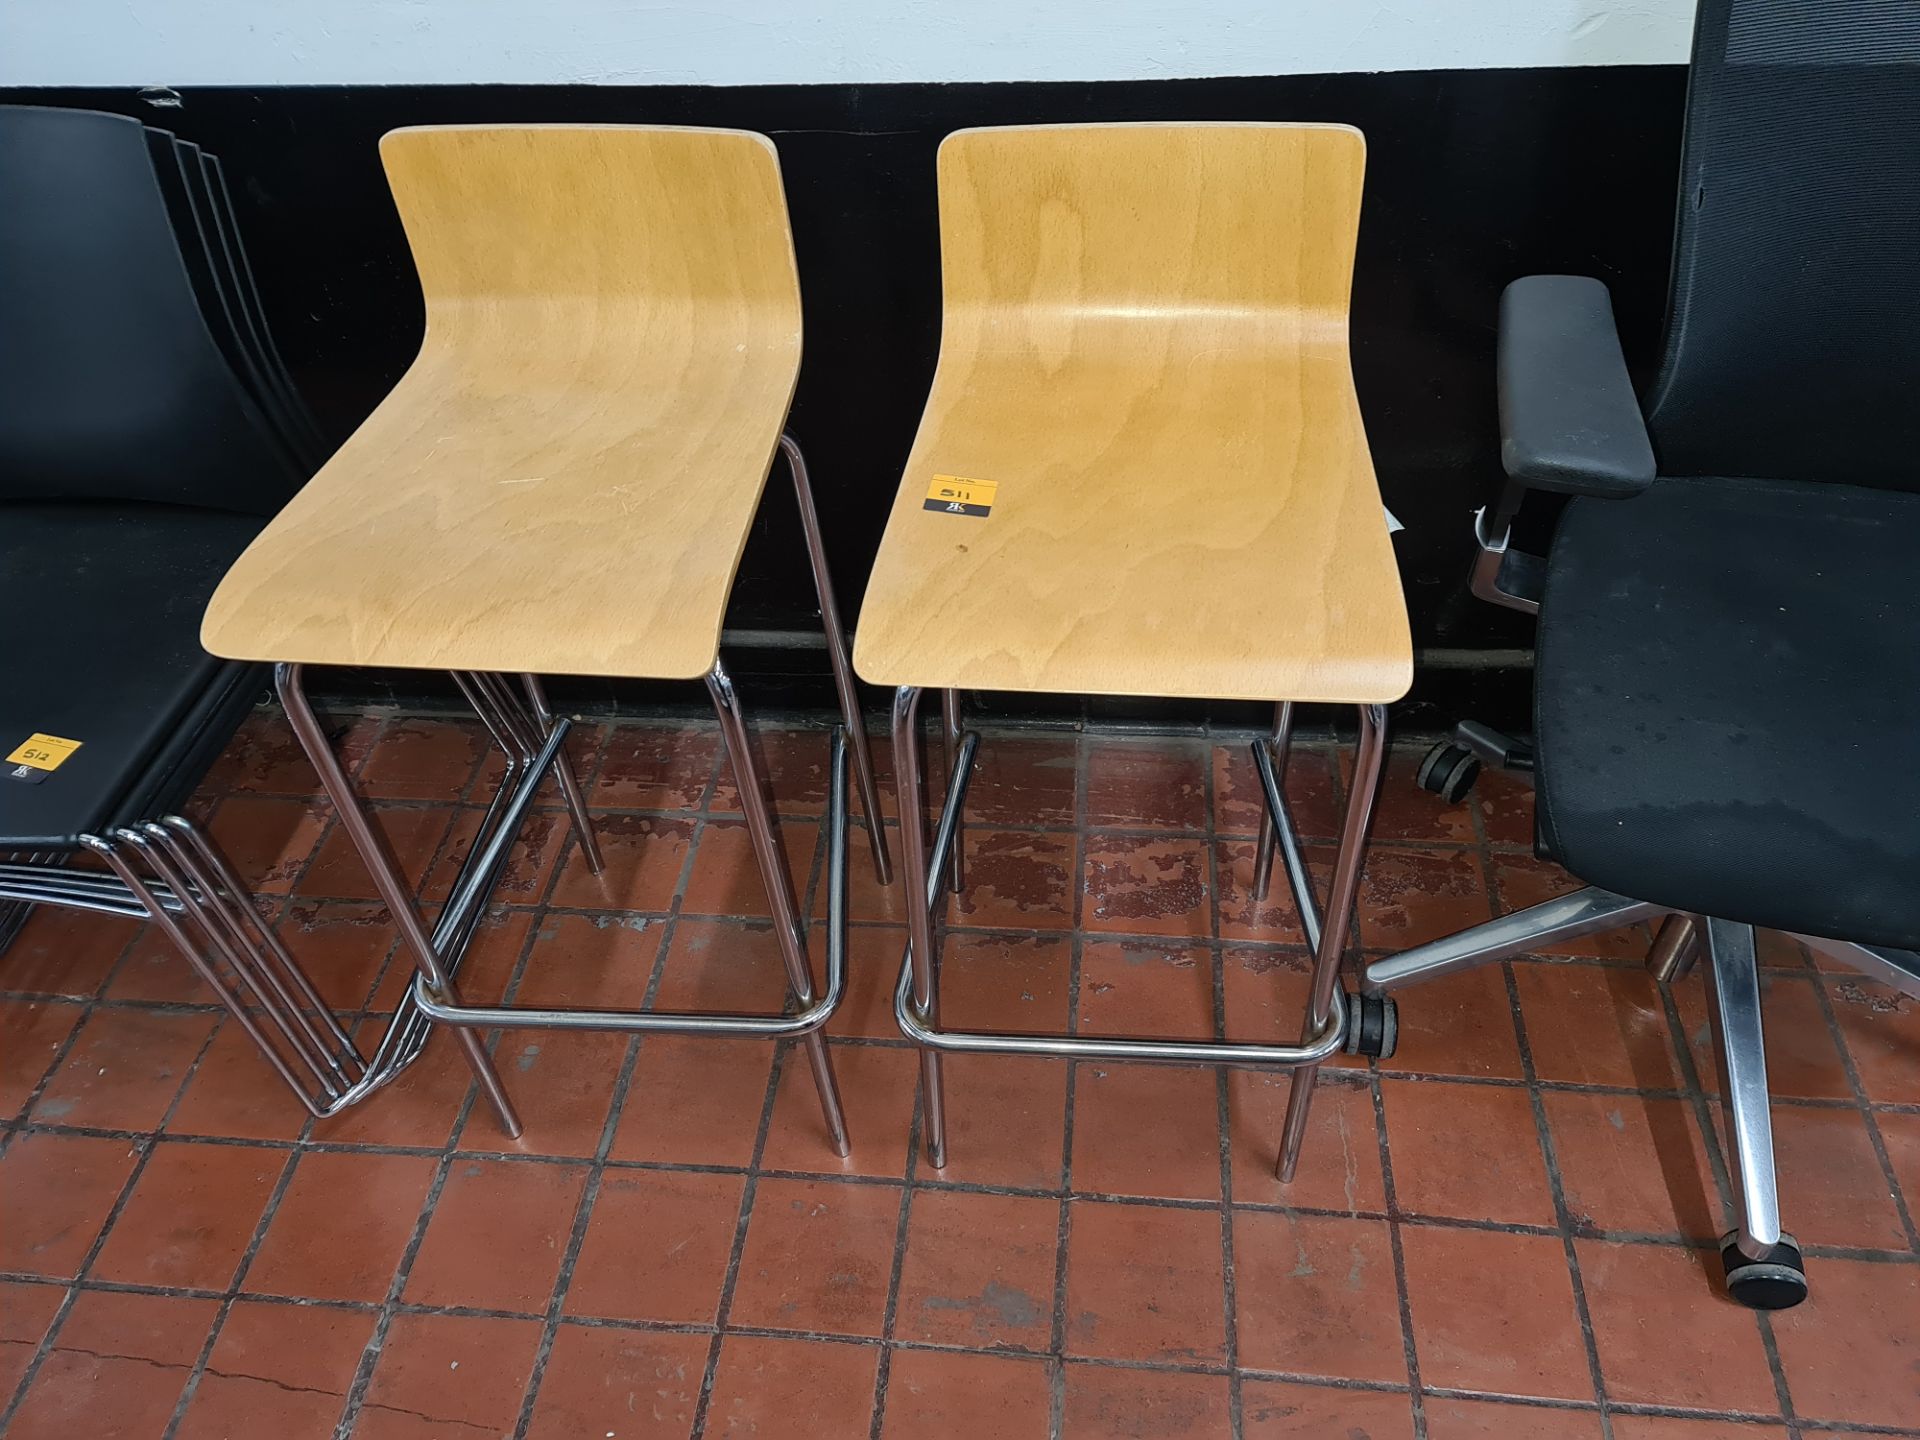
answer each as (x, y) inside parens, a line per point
(745, 42)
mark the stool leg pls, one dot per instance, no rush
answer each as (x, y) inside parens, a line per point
(388, 880)
(1278, 742)
(570, 790)
(913, 876)
(1369, 761)
(950, 722)
(837, 657)
(770, 855)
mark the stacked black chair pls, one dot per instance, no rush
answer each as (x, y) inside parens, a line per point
(148, 430)
(1727, 701)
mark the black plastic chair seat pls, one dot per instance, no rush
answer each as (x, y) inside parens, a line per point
(1728, 703)
(103, 647)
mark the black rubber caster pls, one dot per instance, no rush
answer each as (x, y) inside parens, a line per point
(1373, 1026)
(1778, 1282)
(1449, 771)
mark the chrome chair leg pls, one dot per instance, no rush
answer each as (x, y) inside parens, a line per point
(1369, 761)
(950, 725)
(771, 857)
(1565, 917)
(913, 852)
(1676, 945)
(837, 657)
(388, 880)
(1277, 744)
(570, 792)
(1897, 968)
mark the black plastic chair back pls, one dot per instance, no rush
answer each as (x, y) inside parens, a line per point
(111, 385)
(1793, 329)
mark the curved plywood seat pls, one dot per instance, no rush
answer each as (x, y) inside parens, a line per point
(564, 479)
(1145, 360)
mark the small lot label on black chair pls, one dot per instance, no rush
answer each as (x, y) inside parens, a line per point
(38, 756)
(956, 495)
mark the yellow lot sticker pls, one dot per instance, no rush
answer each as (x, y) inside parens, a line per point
(43, 752)
(957, 495)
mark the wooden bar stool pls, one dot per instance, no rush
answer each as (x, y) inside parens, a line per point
(1141, 471)
(562, 483)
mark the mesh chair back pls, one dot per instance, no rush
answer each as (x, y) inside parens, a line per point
(111, 387)
(1793, 330)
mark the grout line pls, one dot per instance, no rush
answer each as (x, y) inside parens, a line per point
(1223, 1118)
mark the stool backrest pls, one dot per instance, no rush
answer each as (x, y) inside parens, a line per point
(1191, 235)
(111, 386)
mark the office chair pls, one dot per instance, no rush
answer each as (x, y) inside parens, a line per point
(1727, 679)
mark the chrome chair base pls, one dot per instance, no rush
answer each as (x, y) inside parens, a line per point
(1762, 1261)
(1335, 1021)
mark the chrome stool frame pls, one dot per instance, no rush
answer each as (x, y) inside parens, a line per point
(1330, 1024)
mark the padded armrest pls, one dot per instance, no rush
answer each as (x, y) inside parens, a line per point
(1569, 420)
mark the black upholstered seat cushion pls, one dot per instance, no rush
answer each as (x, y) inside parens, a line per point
(1727, 703)
(102, 646)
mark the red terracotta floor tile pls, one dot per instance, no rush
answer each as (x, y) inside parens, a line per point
(1832, 1189)
(341, 1227)
(818, 1257)
(116, 1368)
(1107, 1403)
(1339, 1165)
(1316, 1295)
(876, 1091)
(936, 1392)
(1520, 1336)
(644, 857)
(1900, 1133)
(1018, 780)
(1466, 1152)
(1312, 796)
(1146, 987)
(1459, 1025)
(265, 758)
(31, 1034)
(1523, 880)
(793, 764)
(530, 860)
(1595, 1025)
(1272, 920)
(1147, 886)
(563, 1085)
(1006, 1121)
(498, 1234)
(1664, 1427)
(1881, 1028)
(694, 1100)
(417, 1109)
(1150, 1130)
(1666, 1335)
(343, 945)
(1449, 1419)
(636, 1384)
(873, 968)
(1147, 784)
(26, 1310)
(1003, 982)
(191, 1216)
(412, 834)
(1017, 879)
(1404, 811)
(499, 942)
(656, 767)
(1408, 897)
(657, 1246)
(1848, 1352)
(416, 758)
(1276, 1410)
(124, 1069)
(1802, 1059)
(1505, 802)
(600, 961)
(867, 898)
(269, 841)
(726, 877)
(153, 970)
(56, 1191)
(732, 965)
(1145, 1284)
(798, 1388)
(1266, 989)
(979, 1271)
(280, 1370)
(447, 1374)
(1631, 1165)
(234, 1095)
(67, 952)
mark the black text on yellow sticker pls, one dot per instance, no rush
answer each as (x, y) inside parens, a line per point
(955, 495)
(38, 756)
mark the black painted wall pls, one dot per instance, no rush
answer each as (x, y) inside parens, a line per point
(1474, 178)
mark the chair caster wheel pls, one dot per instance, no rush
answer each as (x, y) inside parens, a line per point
(1778, 1282)
(1448, 771)
(1373, 1026)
